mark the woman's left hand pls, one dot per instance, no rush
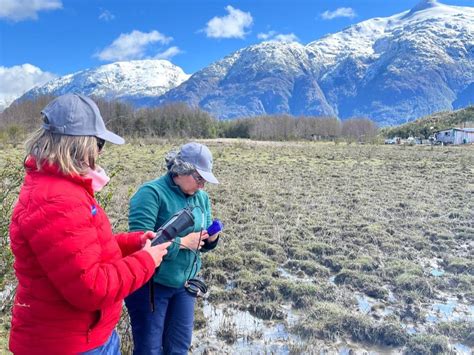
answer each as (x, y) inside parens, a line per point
(213, 237)
(148, 235)
(194, 240)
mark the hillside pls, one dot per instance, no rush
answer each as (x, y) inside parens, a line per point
(425, 126)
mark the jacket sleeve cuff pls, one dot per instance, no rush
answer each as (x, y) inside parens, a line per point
(210, 245)
(147, 262)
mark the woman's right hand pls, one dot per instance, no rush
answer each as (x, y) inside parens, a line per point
(157, 252)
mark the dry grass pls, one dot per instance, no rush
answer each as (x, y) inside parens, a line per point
(375, 218)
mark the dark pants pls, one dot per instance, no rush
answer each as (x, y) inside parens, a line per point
(167, 330)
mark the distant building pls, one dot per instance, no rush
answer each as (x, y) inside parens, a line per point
(455, 136)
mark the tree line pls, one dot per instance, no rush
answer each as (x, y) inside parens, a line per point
(180, 120)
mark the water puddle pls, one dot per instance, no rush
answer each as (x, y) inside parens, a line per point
(241, 332)
(450, 310)
(364, 303)
(229, 330)
(291, 317)
(349, 348)
(230, 285)
(462, 349)
(287, 275)
(432, 266)
(437, 272)
(410, 328)
(391, 297)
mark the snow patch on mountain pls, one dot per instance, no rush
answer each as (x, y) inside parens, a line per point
(134, 81)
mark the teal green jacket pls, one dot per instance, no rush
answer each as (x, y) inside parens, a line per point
(152, 206)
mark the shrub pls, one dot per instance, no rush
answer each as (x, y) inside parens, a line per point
(331, 321)
(11, 177)
(427, 344)
(409, 282)
(462, 331)
(460, 265)
(362, 282)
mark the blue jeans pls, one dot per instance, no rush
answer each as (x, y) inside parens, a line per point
(167, 330)
(111, 346)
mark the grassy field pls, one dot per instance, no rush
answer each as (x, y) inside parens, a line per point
(336, 246)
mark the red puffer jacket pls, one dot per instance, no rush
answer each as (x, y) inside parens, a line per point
(73, 273)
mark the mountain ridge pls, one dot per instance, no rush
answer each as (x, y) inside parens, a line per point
(392, 70)
(132, 81)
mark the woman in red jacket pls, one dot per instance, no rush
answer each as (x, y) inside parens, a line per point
(73, 272)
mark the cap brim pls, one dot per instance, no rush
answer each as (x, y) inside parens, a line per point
(111, 137)
(208, 176)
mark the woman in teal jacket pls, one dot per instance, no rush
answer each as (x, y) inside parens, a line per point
(165, 326)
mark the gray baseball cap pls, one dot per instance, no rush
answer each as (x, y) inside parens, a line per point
(77, 115)
(201, 158)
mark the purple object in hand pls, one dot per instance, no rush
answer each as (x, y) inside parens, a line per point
(215, 227)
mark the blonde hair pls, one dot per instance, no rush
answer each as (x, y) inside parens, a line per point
(72, 154)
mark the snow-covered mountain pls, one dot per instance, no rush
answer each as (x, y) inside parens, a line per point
(136, 82)
(391, 69)
(267, 78)
(5, 102)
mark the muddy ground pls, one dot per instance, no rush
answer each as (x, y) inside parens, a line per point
(327, 247)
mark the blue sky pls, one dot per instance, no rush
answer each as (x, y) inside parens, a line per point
(41, 39)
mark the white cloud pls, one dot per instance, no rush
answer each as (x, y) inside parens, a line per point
(278, 37)
(133, 45)
(289, 37)
(106, 16)
(169, 53)
(266, 36)
(340, 12)
(232, 25)
(17, 10)
(18, 79)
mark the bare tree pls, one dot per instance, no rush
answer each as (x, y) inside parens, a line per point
(26, 113)
(359, 129)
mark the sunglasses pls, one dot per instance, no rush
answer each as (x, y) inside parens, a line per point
(100, 143)
(198, 178)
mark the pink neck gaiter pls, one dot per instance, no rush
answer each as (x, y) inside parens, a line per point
(99, 178)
